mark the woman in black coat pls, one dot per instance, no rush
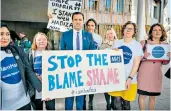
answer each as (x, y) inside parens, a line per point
(16, 73)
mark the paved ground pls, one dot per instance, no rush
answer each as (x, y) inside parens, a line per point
(163, 101)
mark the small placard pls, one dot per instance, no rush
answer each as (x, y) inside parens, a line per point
(61, 11)
(158, 52)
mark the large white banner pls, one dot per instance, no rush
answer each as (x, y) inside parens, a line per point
(73, 73)
(61, 11)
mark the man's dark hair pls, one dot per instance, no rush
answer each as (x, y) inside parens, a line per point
(76, 13)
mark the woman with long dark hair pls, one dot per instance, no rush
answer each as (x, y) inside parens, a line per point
(16, 73)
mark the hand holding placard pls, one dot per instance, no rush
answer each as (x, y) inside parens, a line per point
(169, 54)
(146, 55)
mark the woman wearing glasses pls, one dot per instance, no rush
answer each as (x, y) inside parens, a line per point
(132, 52)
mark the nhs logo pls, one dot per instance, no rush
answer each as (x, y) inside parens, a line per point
(115, 59)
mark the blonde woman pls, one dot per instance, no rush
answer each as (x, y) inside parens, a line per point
(109, 39)
(40, 43)
(107, 43)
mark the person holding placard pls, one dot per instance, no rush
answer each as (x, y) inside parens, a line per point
(91, 27)
(16, 75)
(108, 41)
(40, 43)
(132, 52)
(150, 71)
(76, 39)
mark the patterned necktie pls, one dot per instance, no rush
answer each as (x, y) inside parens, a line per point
(78, 41)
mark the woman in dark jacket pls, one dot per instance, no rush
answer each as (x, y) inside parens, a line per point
(40, 43)
(16, 72)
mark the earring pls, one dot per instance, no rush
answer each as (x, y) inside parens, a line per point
(11, 40)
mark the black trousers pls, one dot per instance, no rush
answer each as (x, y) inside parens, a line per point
(84, 104)
(108, 101)
(90, 103)
(119, 103)
(26, 107)
(50, 105)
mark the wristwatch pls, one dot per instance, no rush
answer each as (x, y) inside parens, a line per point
(130, 77)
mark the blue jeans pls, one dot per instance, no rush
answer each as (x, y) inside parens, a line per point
(70, 100)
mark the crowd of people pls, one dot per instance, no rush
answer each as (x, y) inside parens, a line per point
(21, 66)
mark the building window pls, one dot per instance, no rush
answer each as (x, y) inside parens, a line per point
(120, 6)
(92, 4)
(155, 12)
(107, 5)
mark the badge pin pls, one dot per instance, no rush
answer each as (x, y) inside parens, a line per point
(8, 51)
(17, 57)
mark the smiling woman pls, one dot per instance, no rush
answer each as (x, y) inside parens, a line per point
(153, 73)
(14, 70)
(91, 26)
(5, 36)
(40, 43)
(132, 52)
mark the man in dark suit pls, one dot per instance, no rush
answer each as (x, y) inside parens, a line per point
(76, 39)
